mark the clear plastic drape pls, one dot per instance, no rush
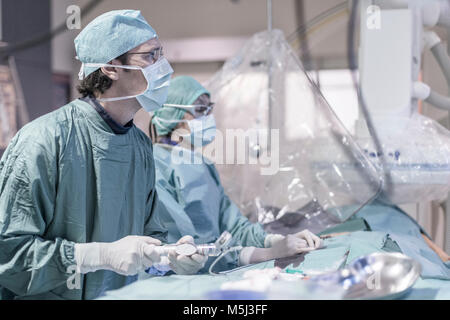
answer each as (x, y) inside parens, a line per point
(300, 163)
(417, 157)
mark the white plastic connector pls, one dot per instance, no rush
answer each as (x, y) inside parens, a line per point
(430, 39)
(420, 90)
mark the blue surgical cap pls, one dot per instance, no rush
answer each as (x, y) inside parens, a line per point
(183, 90)
(111, 35)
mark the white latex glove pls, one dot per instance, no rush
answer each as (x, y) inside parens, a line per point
(182, 264)
(126, 256)
(288, 246)
(292, 244)
(312, 240)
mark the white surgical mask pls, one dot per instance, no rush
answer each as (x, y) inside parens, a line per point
(157, 76)
(203, 129)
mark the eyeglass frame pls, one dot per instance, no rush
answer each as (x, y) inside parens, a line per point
(188, 108)
(153, 55)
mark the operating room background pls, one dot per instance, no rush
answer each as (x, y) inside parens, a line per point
(198, 37)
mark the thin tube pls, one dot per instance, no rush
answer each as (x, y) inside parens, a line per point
(443, 60)
(387, 181)
(438, 100)
(237, 248)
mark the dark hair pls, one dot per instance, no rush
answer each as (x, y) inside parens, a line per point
(97, 81)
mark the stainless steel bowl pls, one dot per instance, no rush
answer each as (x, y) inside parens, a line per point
(376, 276)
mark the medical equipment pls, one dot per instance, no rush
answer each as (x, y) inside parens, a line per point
(376, 276)
(212, 249)
(217, 249)
(412, 150)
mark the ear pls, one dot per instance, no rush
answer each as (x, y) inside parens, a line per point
(110, 72)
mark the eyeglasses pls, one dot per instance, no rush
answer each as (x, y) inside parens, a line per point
(153, 55)
(197, 110)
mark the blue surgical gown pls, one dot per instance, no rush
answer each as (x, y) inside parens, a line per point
(67, 178)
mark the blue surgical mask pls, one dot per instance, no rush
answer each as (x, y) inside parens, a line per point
(158, 80)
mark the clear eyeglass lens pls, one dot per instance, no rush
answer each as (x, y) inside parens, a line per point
(203, 110)
(156, 54)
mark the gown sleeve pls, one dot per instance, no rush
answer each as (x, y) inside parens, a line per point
(29, 263)
(231, 219)
(155, 226)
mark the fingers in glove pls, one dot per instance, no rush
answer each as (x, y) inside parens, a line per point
(177, 269)
(183, 267)
(180, 260)
(302, 243)
(317, 241)
(186, 239)
(150, 240)
(307, 236)
(200, 259)
(307, 249)
(174, 265)
(172, 256)
(151, 256)
(187, 262)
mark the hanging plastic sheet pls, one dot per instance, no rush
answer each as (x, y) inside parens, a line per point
(417, 156)
(280, 149)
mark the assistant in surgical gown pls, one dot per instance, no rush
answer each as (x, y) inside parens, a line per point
(68, 178)
(189, 186)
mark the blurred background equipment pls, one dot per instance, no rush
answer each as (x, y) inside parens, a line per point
(26, 47)
(8, 124)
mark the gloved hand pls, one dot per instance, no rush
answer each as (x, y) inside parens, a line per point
(292, 244)
(182, 264)
(312, 240)
(289, 246)
(126, 256)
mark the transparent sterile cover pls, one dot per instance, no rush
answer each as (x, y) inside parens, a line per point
(417, 157)
(282, 153)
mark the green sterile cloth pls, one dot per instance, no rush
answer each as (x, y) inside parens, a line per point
(364, 243)
(391, 246)
(429, 289)
(323, 260)
(332, 256)
(180, 287)
(355, 224)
